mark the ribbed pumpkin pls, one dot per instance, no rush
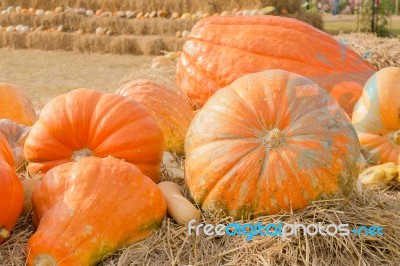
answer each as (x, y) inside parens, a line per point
(86, 210)
(11, 192)
(221, 49)
(169, 108)
(85, 122)
(15, 105)
(376, 116)
(270, 141)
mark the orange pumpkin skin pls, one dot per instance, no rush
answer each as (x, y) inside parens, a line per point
(15, 105)
(270, 141)
(170, 109)
(347, 93)
(86, 210)
(221, 49)
(85, 122)
(376, 116)
(11, 192)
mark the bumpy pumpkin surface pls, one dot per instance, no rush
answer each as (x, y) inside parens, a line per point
(15, 105)
(86, 210)
(376, 116)
(85, 122)
(270, 141)
(221, 49)
(170, 109)
(11, 192)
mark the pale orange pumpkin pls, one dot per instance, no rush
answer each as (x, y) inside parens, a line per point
(169, 108)
(86, 210)
(86, 122)
(270, 141)
(376, 116)
(15, 105)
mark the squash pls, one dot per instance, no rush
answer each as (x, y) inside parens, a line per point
(29, 185)
(270, 141)
(169, 108)
(178, 207)
(378, 176)
(86, 210)
(86, 122)
(347, 93)
(16, 135)
(15, 105)
(12, 195)
(221, 49)
(376, 116)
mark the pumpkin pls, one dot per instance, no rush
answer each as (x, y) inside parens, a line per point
(170, 109)
(86, 210)
(12, 195)
(221, 49)
(86, 122)
(29, 185)
(15, 105)
(376, 116)
(347, 93)
(16, 135)
(270, 141)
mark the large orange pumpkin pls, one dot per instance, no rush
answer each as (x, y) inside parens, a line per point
(376, 116)
(270, 141)
(88, 209)
(221, 49)
(85, 122)
(11, 192)
(15, 105)
(170, 109)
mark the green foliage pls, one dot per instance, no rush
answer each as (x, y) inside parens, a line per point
(369, 20)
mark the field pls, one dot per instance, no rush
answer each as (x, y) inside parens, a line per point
(49, 64)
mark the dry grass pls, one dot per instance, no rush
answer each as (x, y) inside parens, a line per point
(91, 43)
(381, 52)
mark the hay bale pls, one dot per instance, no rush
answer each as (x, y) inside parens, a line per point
(119, 26)
(90, 43)
(381, 52)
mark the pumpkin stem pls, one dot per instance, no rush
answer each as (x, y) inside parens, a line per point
(77, 155)
(273, 138)
(396, 137)
(4, 233)
(44, 260)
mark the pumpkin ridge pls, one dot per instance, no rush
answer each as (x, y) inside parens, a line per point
(226, 174)
(282, 58)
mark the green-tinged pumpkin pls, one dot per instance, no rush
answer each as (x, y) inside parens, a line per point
(221, 49)
(86, 210)
(86, 122)
(270, 141)
(376, 116)
(167, 106)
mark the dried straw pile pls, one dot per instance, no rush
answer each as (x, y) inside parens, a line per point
(118, 26)
(90, 43)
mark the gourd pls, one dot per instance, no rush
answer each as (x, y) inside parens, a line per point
(378, 176)
(219, 50)
(86, 122)
(269, 142)
(376, 116)
(15, 105)
(12, 195)
(86, 210)
(178, 207)
(169, 108)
